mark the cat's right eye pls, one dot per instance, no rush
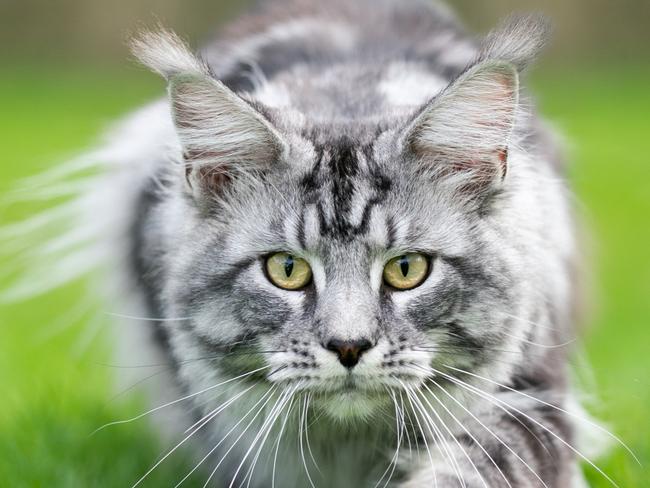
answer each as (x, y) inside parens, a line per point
(287, 271)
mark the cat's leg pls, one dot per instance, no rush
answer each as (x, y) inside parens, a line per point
(525, 445)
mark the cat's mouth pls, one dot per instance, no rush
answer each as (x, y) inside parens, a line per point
(361, 385)
(350, 386)
(354, 386)
(351, 398)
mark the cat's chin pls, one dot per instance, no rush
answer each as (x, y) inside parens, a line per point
(351, 404)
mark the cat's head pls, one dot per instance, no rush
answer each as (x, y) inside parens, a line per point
(350, 259)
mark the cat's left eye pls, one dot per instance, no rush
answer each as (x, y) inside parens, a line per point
(287, 271)
(407, 271)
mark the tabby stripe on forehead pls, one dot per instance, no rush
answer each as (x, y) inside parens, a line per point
(335, 179)
(300, 232)
(391, 232)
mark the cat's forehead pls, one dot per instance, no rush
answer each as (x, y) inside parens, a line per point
(343, 189)
(356, 191)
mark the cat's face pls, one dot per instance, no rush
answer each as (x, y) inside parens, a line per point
(354, 208)
(347, 275)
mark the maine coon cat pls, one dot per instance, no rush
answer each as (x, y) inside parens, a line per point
(347, 235)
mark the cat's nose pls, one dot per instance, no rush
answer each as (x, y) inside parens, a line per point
(349, 352)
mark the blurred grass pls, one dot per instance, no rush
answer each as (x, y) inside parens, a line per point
(605, 117)
(54, 396)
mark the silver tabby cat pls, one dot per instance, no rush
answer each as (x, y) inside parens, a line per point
(354, 231)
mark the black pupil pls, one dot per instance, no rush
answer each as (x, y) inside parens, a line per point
(404, 265)
(288, 266)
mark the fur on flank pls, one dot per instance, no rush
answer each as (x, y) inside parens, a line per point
(345, 134)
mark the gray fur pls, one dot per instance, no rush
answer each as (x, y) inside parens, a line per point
(348, 133)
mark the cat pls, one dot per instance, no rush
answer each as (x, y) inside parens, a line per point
(348, 236)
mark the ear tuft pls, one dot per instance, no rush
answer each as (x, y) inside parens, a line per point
(217, 128)
(220, 133)
(518, 40)
(167, 54)
(472, 117)
(465, 131)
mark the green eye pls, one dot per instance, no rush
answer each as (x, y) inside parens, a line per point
(287, 271)
(407, 271)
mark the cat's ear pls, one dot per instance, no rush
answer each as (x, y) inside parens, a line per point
(220, 133)
(466, 130)
(467, 127)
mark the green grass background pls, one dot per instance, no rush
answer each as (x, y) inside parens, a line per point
(55, 390)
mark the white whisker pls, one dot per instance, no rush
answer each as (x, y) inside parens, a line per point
(441, 444)
(223, 438)
(288, 398)
(537, 344)
(209, 416)
(311, 454)
(408, 421)
(555, 407)
(147, 319)
(268, 395)
(449, 430)
(520, 422)
(261, 434)
(476, 441)
(277, 444)
(301, 424)
(465, 430)
(182, 399)
(424, 437)
(393, 462)
(487, 396)
(504, 444)
(179, 444)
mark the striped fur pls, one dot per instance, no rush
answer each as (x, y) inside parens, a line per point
(348, 133)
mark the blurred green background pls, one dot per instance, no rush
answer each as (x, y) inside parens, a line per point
(66, 74)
